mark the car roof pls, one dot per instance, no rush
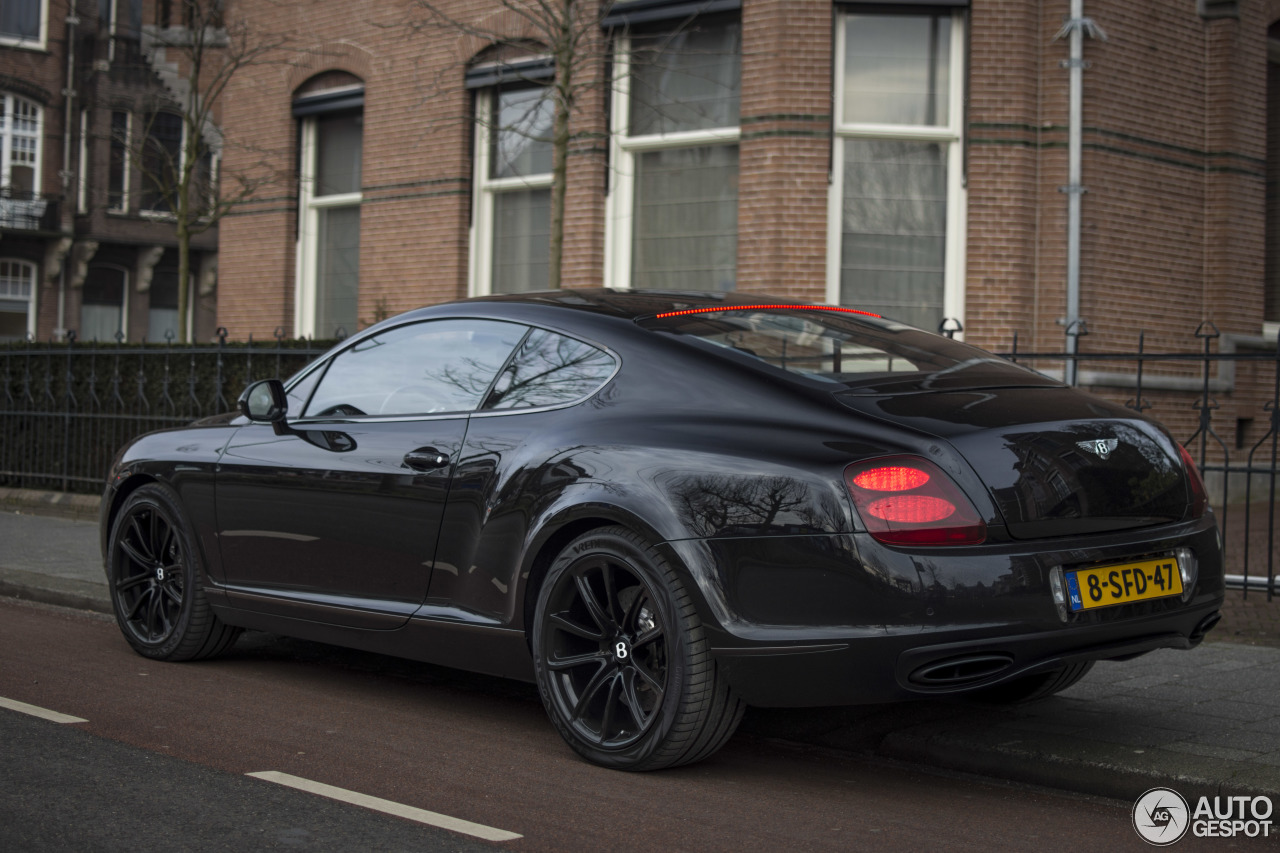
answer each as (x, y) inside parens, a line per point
(633, 304)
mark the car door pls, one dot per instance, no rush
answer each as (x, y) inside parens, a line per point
(337, 518)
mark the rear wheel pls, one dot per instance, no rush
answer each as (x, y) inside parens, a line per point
(154, 570)
(1039, 686)
(621, 659)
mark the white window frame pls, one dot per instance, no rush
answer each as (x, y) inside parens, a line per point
(952, 134)
(147, 212)
(624, 149)
(484, 189)
(309, 207)
(7, 134)
(29, 44)
(127, 163)
(34, 280)
(82, 166)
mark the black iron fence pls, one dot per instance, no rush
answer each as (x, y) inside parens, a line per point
(1223, 404)
(66, 408)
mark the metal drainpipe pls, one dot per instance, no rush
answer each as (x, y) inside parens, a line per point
(68, 98)
(1076, 26)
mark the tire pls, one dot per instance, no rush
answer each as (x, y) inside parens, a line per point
(622, 663)
(1039, 686)
(155, 574)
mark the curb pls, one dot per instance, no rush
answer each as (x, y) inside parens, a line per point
(59, 504)
(1064, 765)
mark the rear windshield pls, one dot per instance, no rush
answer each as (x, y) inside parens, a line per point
(861, 352)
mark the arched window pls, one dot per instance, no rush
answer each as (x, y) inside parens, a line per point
(17, 299)
(511, 230)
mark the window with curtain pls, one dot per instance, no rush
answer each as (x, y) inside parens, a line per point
(896, 233)
(22, 22)
(674, 206)
(329, 268)
(17, 299)
(19, 147)
(511, 237)
(102, 302)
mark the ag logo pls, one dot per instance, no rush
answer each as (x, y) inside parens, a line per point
(1100, 446)
(1161, 817)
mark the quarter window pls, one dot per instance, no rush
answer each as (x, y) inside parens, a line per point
(674, 210)
(550, 370)
(896, 243)
(422, 368)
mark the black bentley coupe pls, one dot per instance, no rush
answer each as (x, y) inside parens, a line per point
(665, 507)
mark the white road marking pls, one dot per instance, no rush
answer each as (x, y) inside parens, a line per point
(378, 804)
(42, 713)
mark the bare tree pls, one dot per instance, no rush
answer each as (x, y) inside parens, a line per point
(196, 57)
(572, 35)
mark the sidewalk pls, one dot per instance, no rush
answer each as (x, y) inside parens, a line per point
(1205, 722)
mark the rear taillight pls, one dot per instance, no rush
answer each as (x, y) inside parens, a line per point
(1199, 495)
(906, 500)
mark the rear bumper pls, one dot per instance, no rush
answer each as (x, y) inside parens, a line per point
(917, 665)
(833, 620)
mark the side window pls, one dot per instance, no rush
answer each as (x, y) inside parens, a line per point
(549, 370)
(422, 368)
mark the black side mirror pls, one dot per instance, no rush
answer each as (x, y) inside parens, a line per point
(264, 402)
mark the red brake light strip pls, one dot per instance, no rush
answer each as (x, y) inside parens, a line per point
(721, 309)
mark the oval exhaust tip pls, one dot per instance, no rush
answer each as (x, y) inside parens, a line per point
(961, 671)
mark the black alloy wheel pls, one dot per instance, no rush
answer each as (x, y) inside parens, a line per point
(153, 568)
(621, 660)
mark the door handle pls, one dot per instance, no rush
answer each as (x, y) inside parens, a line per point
(426, 459)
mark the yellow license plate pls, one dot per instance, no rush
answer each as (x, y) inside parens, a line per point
(1122, 583)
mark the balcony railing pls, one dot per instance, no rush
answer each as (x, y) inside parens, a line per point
(23, 210)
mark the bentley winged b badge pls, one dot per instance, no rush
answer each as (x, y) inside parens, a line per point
(1099, 446)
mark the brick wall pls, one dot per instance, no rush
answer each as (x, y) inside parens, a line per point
(1174, 154)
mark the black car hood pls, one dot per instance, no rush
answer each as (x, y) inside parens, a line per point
(1055, 461)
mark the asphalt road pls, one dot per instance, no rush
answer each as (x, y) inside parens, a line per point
(160, 763)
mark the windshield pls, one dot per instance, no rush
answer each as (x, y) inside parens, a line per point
(845, 348)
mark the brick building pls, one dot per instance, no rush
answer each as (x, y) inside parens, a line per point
(90, 114)
(909, 158)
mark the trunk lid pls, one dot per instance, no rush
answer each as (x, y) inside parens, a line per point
(1055, 461)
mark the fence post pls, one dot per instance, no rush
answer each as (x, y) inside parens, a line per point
(1136, 404)
(69, 401)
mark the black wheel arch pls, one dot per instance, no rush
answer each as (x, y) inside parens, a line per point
(555, 533)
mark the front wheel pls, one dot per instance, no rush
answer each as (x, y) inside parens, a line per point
(154, 570)
(621, 659)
